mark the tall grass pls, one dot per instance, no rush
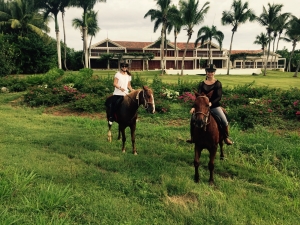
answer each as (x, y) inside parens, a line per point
(62, 170)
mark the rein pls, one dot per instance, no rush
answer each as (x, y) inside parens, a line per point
(206, 115)
(145, 102)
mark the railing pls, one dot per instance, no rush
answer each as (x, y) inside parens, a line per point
(207, 55)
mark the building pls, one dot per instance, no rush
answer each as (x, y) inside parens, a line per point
(136, 53)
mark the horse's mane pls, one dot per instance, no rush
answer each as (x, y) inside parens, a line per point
(132, 95)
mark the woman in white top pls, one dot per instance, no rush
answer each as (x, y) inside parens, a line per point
(122, 82)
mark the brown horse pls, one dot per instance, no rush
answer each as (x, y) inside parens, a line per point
(206, 134)
(126, 113)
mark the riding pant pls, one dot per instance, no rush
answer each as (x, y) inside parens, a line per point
(219, 112)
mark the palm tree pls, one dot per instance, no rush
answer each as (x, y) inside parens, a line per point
(92, 24)
(65, 3)
(239, 14)
(207, 34)
(54, 7)
(281, 24)
(161, 17)
(22, 16)
(191, 16)
(85, 5)
(268, 19)
(176, 24)
(263, 41)
(293, 35)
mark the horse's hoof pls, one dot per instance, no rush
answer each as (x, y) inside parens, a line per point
(135, 153)
(211, 183)
(123, 151)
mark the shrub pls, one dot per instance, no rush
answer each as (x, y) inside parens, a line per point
(42, 95)
(91, 103)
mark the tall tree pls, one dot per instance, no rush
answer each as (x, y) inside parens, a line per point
(281, 24)
(293, 35)
(161, 17)
(85, 5)
(268, 19)
(239, 14)
(54, 7)
(191, 16)
(92, 25)
(207, 34)
(22, 16)
(176, 26)
(263, 41)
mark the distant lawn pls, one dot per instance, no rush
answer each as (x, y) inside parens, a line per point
(273, 79)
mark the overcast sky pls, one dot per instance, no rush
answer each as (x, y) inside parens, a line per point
(123, 20)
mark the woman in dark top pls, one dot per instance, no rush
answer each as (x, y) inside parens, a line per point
(206, 86)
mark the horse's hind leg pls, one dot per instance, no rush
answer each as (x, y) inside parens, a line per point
(211, 166)
(197, 163)
(132, 131)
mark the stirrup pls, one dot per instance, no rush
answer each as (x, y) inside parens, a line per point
(189, 141)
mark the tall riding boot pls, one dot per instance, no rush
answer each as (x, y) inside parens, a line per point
(111, 114)
(226, 134)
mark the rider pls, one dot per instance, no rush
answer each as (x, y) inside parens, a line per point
(212, 84)
(122, 82)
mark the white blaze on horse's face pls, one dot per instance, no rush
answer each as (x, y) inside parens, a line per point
(202, 111)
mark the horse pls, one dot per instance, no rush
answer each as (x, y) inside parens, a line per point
(126, 113)
(206, 134)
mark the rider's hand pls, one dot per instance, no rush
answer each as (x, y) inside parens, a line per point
(209, 104)
(192, 110)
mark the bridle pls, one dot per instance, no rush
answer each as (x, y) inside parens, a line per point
(206, 116)
(146, 103)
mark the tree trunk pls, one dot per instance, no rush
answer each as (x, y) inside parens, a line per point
(57, 42)
(65, 47)
(297, 69)
(162, 50)
(265, 69)
(90, 51)
(291, 56)
(58, 49)
(175, 42)
(183, 57)
(85, 49)
(273, 53)
(228, 65)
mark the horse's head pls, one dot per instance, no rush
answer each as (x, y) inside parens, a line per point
(146, 98)
(202, 109)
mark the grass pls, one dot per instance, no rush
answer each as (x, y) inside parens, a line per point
(62, 170)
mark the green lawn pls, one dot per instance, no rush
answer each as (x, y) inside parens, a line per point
(273, 79)
(62, 170)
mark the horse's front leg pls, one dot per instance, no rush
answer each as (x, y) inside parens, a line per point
(132, 131)
(211, 165)
(109, 136)
(197, 163)
(221, 150)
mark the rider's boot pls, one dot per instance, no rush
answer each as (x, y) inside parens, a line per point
(226, 133)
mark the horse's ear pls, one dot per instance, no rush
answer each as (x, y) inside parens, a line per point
(210, 94)
(196, 94)
(145, 87)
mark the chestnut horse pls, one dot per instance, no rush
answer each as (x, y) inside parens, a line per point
(206, 134)
(126, 113)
